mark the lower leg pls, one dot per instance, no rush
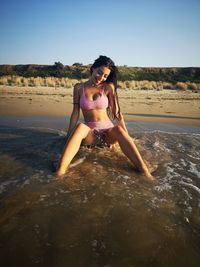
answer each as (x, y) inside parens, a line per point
(129, 148)
(71, 148)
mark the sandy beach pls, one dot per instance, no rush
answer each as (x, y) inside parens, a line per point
(165, 106)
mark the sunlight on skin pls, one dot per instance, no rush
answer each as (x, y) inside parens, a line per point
(92, 91)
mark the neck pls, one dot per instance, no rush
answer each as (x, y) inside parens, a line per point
(92, 84)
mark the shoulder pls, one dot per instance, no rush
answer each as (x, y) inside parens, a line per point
(109, 88)
(77, 88)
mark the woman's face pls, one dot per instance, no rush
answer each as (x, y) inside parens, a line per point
(100, 74)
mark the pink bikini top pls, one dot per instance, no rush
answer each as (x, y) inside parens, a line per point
(100, 103)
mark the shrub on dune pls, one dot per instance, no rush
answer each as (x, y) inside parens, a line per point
(24, 82)
(192, 86)
(3, 80)
(121, 85)
(71, 82)
(50, 82)
(168, 86)
(36, 81)
(181, 86)
(62, 82)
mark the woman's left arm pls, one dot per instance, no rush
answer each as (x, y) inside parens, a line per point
(114, 105)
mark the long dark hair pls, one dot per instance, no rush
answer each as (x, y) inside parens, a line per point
(112, 78)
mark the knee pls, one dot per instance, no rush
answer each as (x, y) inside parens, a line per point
(82, 129)
(119, 131)
(80, 125)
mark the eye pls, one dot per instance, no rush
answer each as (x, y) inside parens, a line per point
(102, 74)
(99, 72)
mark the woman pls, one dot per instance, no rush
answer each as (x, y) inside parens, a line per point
(103, 121)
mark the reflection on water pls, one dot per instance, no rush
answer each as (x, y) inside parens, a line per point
(102, 213)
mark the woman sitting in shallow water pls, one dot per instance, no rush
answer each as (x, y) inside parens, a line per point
(98, 100)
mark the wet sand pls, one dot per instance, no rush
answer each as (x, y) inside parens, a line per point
(166, 106)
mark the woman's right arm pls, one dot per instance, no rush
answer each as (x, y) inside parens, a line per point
(76, 110)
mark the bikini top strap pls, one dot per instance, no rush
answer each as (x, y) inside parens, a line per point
(83, 90)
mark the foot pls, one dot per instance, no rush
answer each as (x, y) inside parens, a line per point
(145, 170)
(60, 173)
(149, 177)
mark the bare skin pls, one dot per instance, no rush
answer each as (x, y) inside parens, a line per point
(81, 133)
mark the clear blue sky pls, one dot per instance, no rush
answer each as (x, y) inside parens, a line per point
(145, 33)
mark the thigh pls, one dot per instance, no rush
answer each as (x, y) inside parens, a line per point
(90, 138)
(110, 137)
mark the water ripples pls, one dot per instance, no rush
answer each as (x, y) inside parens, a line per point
(102, 207)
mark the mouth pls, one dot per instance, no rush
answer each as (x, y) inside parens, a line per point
(97, 81)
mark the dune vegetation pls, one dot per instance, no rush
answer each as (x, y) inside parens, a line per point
(135, 78)
(69, 83)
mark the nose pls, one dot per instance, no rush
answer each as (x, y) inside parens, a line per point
(103, 78)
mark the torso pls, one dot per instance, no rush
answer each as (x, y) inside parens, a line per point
(94, 102)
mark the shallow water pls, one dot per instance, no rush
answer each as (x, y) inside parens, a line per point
(102, 213)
